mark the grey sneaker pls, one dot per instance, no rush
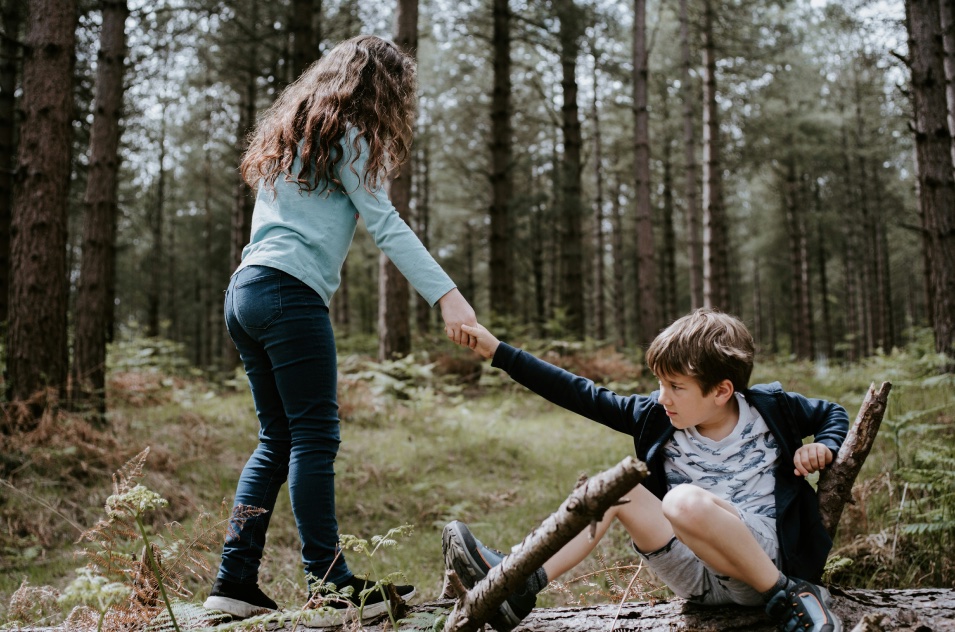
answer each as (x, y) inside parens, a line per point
(239, 600)
(471, 560)
(802, 606)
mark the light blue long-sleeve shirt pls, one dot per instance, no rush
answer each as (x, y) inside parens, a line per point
(308, 234)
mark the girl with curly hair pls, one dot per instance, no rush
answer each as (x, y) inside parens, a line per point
(318, 159)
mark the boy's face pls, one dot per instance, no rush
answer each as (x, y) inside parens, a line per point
(687, 406)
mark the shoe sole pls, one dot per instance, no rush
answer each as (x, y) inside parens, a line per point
(834, 619)
(236, 608)
(457, 542)
(328, 616)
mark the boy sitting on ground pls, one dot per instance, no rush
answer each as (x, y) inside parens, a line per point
(725, 515)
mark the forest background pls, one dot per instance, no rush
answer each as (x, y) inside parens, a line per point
(585, 171)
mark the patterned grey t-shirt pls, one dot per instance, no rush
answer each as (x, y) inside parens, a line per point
(740, 468)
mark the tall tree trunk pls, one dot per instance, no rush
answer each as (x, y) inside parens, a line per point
(305, 40)
(668, 256)
(801, 344)
(648, 309)
(600, 318)
(619, 283)
(933, 148)
(758, 325)
(10, 46)
(99, 237)
(209, 280)
(694, 246)
(537, 228)
(571, 255)
(822, 259)
(500, 270)
(157, 252)
(37, 337)
(947, 20)
(243, 202)
(423, 312)
(853, 332)
(715, 229)
(394, 325)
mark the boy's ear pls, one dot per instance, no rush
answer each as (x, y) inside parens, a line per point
(724, 392)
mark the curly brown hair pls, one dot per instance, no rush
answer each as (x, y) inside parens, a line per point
(367, 83)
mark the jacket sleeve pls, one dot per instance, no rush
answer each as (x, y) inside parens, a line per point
(826, 422)
(391, 234)
(573, 392)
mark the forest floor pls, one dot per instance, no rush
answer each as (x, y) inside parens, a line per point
(431, 439)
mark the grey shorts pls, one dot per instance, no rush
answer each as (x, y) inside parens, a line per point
(688, 577)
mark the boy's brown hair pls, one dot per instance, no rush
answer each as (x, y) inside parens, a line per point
(706, 345)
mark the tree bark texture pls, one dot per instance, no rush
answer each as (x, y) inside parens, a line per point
(572, 239)
(423, 311)
(304, 43)
(715, 230)
(934, 159)
(947, 21)
(394, 324)
(648, 308)
(587, 504)
(835, 486)
(157, 251)
(668, 283)
(599, 289)
(689, 150)
(99, 227)
(37, 343)
(798, 291)
(619, 292)
(9, 65)
(500, 272)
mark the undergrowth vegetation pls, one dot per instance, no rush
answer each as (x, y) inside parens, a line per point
(431, 438)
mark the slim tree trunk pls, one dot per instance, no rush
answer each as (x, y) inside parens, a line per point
(572, 239)
(822, 259)
(600, 318)
(243, 202)
(157, 252)
(947, 20)
(801, 345)
(423, 312)
(619, 283)
(37, 337)
(304, 41)
(668, 256)
(715, 229)
(99, 237)
(648, 309)
(689, 151)
(394, 325)
(500, 271)
(758, 325)
(10, 46)
(933, 148)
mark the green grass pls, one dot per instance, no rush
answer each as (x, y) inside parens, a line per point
(422, 451)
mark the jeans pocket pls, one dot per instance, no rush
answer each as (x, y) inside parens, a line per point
(257, 297)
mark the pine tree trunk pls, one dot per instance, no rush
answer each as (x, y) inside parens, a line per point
(795, 227)
(99, 237)
(37, 336)
(715, 229)
(157, 251)
(304, 43)
(394, 325)
(619, 257)
(689, 151)
(423, 312)
(600, 317)
(822, 259)
(12, 17)
(668, 256)
(933, 149)
(572, 240)
(500, 270)
(648, 311)
(947, 11)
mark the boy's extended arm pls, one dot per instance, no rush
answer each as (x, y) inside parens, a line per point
(576, 394)
(826, 422)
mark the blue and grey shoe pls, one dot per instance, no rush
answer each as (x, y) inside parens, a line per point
(802, 606)
(471, 560)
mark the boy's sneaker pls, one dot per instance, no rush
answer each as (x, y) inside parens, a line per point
(239, 600)
(334, 608)
(471, 560)
(802, 606)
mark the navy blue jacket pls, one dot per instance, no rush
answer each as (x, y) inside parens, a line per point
(803, 541)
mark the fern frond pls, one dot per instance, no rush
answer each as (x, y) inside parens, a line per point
(129, 475)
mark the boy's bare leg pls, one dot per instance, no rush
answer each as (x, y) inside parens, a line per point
(713, 530)
(643, 519)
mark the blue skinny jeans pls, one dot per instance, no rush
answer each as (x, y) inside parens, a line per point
(282, 330)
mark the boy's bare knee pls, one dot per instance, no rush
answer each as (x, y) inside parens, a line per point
(686, 506)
